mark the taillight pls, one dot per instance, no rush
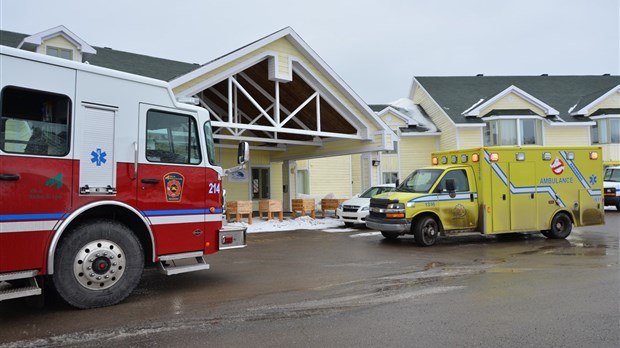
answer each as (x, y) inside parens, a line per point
(228, 239)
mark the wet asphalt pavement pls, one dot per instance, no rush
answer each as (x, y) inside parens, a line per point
(352, 289)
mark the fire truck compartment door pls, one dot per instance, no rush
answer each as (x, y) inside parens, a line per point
(96, 150)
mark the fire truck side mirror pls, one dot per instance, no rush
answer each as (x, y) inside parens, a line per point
(243, 153)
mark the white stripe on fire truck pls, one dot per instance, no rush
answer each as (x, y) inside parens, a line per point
(181, 219)
(27, 226)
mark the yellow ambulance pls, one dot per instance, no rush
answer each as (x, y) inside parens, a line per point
(494, 190)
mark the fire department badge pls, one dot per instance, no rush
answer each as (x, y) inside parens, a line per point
(173, 184)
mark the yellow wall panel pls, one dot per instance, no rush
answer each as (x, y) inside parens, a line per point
(447, 139)
(565, 136)
(512, 101)
(611, 102)
(331, 175)
(415, 152)
(469, 137)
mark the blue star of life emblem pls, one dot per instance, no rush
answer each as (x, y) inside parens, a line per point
(98, 157)
(592, 179)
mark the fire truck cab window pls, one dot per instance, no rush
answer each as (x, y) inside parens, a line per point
(34, 122)
(171, 138)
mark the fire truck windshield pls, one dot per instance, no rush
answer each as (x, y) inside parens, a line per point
(210, 143)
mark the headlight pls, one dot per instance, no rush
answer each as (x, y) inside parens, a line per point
(340, 206)
(395, 206)
(365, 208)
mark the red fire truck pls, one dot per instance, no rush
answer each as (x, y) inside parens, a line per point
(101, 174)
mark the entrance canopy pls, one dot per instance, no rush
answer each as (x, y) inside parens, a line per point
(280, 96)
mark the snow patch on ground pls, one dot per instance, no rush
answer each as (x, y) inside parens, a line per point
(300, 223)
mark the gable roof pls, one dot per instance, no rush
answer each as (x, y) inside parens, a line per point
(455, 95)
(33, 41)
(153, 67)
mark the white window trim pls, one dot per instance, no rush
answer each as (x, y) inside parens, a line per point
(519, 127)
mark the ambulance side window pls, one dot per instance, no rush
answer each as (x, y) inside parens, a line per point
(171, 138)
(461, 183)
(34, 122)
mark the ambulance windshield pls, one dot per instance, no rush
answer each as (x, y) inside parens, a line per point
(420, 180)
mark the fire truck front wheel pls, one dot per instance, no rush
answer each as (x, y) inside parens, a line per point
(425, 231)
(561, 227)
(97, 264)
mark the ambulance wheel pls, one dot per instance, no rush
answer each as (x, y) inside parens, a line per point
(426, 231)
(97, 264)
(561, 227)
(390, 235)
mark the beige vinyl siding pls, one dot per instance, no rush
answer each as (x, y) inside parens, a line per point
(512, 101)
(235, 191)
(331, 175)
(566, 136)
(393, 120)
(469, 137)
(59, 41)
(611, 152)
(415, 152)
(447, 139)
(356, 173)
(276, 181)
(611, 102)
(389, 163)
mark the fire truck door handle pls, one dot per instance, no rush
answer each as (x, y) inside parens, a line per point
(9, 177)
(150, 181)
(135, 160)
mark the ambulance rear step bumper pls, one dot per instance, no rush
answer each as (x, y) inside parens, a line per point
(8, 292)
(182, 263)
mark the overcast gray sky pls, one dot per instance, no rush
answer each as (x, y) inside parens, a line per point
(376, 47)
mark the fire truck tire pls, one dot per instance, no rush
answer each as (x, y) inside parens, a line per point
(390, 235)
(426, 231)
(561, 227)
(97, 264)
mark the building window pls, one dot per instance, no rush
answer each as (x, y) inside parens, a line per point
(606, 131)
(34, 122)
(302, 182)
(59, 52)
(513, 132)
(260, 183)
(390, 177)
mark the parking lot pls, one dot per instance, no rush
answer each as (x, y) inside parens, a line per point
(353, 288)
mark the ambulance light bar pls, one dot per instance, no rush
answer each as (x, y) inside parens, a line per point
(520, 156)
(435, 161)
(454, 159)
(546, 156)
(494, 157)
(475, 157)
(593, 155)
(463, 158)
(570, 156)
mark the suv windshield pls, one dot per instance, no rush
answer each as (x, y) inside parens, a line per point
(420, 180)
(612, 174)
(373, 191)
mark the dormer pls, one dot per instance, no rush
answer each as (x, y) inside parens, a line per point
(58, 42)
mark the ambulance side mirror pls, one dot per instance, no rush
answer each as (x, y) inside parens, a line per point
(243, 153)
(451, 187)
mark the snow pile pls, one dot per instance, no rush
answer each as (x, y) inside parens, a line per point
(412, 111)
(299, 223)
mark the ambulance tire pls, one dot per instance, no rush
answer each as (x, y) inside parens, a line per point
(426, 231)
(561, 227)
(87, 246)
